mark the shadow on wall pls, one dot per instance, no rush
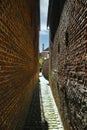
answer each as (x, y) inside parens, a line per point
(34, 120)
(45, 69)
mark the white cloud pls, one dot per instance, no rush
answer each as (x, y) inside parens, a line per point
(44, 11)
(43, 26)
(44, 7)
(44, 32)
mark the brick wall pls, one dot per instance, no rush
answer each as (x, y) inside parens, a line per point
(68, 65)
(18, 61)
(45, 68)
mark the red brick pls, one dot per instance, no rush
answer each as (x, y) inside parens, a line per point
(18, 61)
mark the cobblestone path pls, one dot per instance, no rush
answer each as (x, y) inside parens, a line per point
(51, 114)
(43, 113)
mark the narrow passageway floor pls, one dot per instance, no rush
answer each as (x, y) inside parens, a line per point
(51, 114)
(43, 113)
(34, 121)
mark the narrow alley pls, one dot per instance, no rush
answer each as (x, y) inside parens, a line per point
(48, 36)
(43, 112)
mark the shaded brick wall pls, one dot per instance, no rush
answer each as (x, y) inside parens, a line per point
(45, 68)
(68, 65)
(18, 60)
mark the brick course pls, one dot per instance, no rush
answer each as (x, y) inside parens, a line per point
(68, 71)
(18, 61)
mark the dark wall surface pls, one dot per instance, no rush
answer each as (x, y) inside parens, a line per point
(45, 68)
(68, 65)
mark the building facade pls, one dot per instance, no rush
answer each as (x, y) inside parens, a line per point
(19, 36)
(68, 60)
(45, 53)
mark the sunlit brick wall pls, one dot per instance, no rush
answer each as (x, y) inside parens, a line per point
(18, 61)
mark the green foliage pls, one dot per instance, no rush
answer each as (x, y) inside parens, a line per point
(41, 61)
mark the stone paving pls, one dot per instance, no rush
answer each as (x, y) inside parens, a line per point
(49, 110)
(43, 113)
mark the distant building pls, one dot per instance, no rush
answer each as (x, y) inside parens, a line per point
(44, 61)
(45, 52)
(44, 55)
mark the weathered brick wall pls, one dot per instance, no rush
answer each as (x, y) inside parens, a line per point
(69, 65)
(45, 68)
(18, 61)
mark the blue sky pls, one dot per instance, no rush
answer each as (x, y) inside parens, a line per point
(44, 32)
